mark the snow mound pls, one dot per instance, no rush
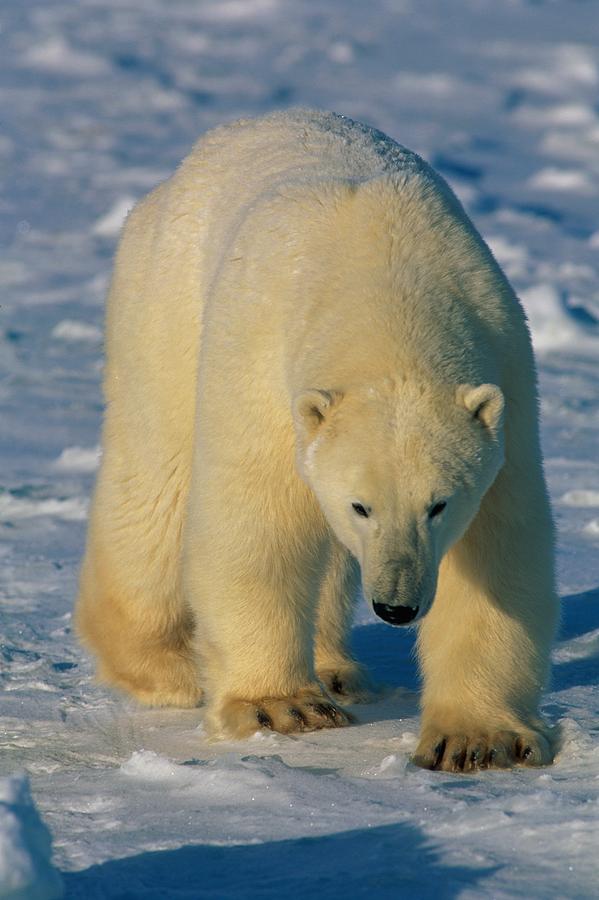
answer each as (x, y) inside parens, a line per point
(70, 509)
(78, 459)
(584, 647)
(551, 326)
(26, 870)
(218, 781)
(57, 55)
(553, 179)
(592, 528)
(110, 224)
(580, 498)
(71, 330)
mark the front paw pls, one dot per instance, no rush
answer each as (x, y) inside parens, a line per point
(347, 683)
(307, 710)
(470, 749)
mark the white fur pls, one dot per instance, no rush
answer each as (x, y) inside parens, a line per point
(303, 318)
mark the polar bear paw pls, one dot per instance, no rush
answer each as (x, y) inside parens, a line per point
(348, 683)
(469, 752)
(307, 710)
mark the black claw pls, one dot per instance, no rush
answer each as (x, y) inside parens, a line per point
(336, 685)
(333, 715)
(500, 757)
(297, 715)
(439, 751)
(481, 759)
(459, 760)
(263, 718)
(329, 712)
(322, 709)
(523, 751)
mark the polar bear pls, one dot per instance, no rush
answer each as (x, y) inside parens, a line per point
(315, 370)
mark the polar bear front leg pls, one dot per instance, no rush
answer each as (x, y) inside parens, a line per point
(484, 647)
(344, 678)
(250, 572)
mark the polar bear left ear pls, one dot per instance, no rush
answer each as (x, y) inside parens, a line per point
(485, 402)
(311, 408)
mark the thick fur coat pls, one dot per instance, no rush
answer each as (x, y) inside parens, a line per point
(317, 372)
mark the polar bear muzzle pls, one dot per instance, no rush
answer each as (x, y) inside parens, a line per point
(395, 615)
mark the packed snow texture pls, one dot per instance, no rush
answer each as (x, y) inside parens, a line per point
(101, 99)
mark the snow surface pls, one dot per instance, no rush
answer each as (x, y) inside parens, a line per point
(101, 99)
(26, 871)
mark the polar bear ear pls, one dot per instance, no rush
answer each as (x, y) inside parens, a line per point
(313, 407)
(485, 402)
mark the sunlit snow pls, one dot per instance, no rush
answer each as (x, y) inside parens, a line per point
(101, 99)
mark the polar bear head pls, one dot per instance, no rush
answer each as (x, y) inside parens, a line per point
(399, 475)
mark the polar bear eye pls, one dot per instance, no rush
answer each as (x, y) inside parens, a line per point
(360, 510)
(437, 509)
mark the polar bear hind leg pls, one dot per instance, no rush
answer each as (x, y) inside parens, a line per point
(130, 612)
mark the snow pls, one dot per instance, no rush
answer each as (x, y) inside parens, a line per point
(552, 327)
(69, 330)
(109, 225)
(580, 498)
(554, 179)
(26, 871)
(12, 507)
(78, 459)
(101, 100)
(57, 55)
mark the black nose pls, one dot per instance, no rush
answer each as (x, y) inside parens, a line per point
(395, 615)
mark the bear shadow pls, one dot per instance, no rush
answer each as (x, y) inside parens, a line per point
(580, 616)
(385, 862)
(388, 653)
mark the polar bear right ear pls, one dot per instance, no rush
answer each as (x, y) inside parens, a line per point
(485, 402)
(311, 408)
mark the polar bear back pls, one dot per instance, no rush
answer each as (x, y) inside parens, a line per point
(177, 269)
(233, 168)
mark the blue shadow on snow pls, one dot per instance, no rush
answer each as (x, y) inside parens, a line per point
(580, 615)
(387, 863)
(388, 653)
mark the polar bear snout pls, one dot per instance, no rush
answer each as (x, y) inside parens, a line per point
(395, 615)
(404, 589)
